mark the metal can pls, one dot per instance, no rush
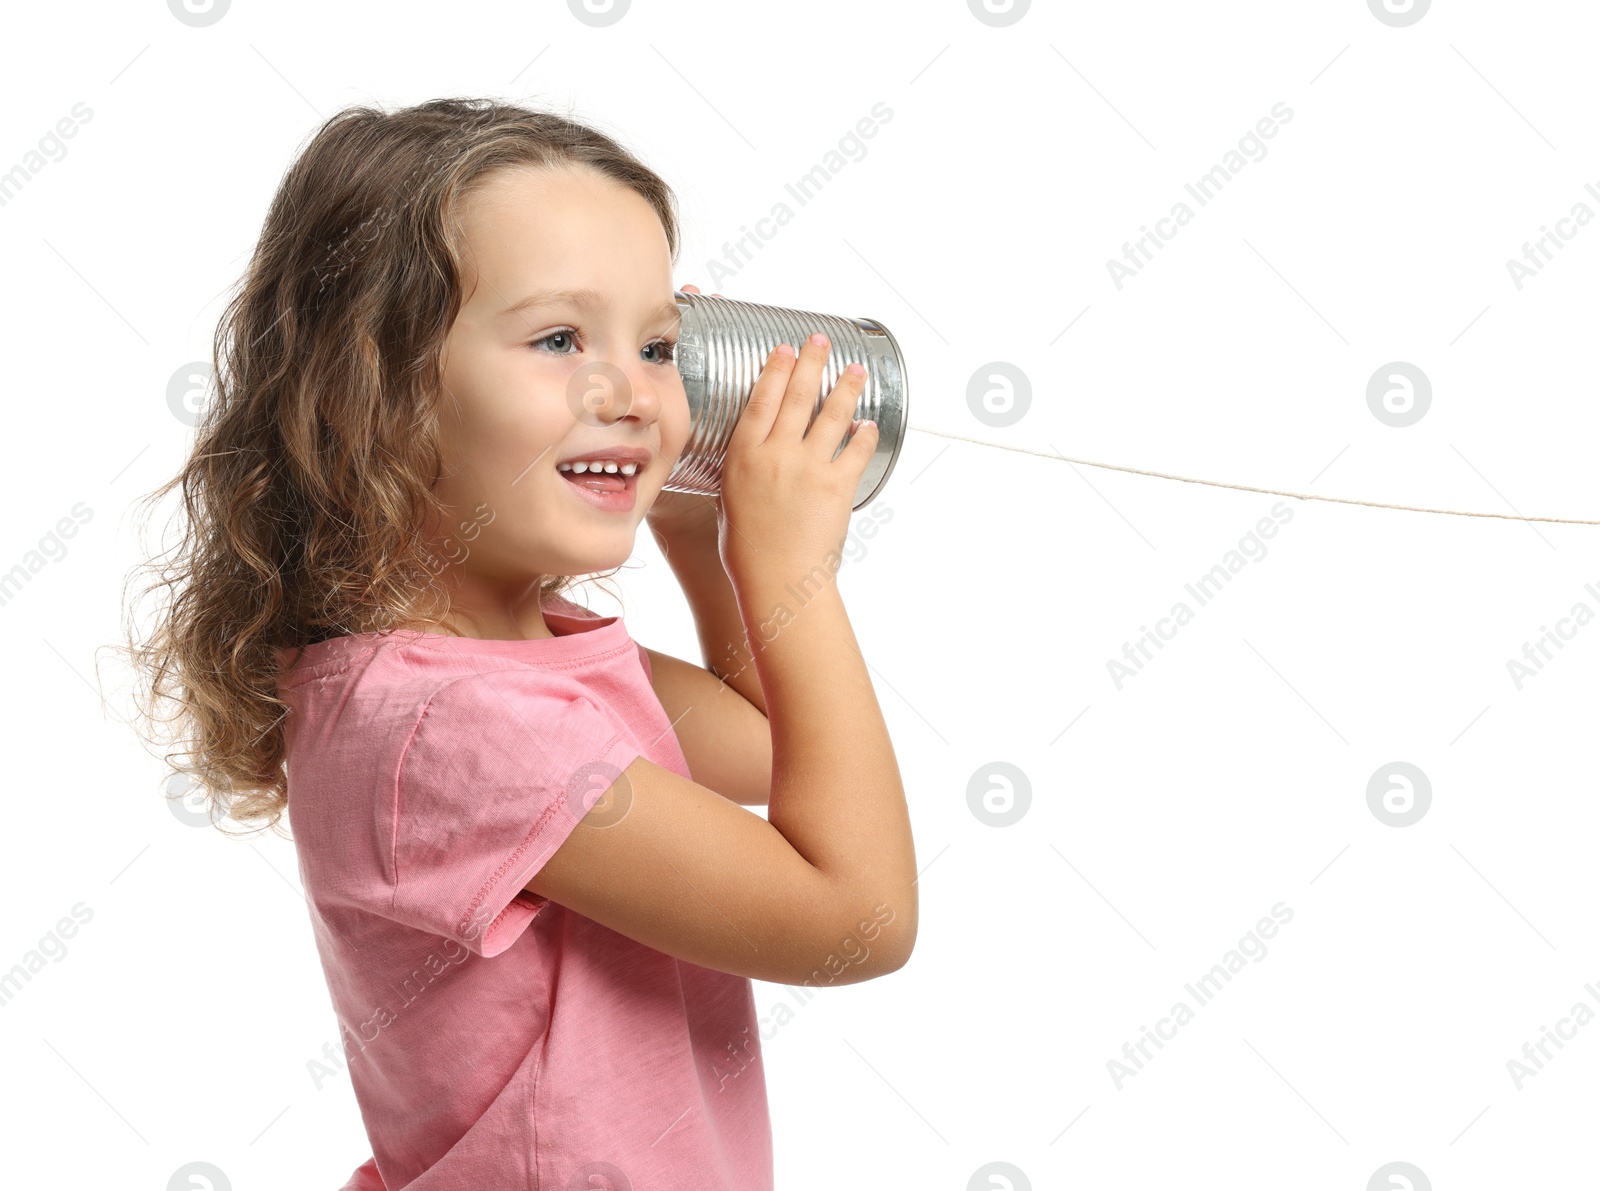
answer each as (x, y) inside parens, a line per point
(722, 346)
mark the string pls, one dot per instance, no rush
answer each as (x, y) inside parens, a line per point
(1245, 487)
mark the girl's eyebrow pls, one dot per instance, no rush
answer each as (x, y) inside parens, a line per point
(583, 299)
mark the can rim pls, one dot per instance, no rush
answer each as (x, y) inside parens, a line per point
(905, 412)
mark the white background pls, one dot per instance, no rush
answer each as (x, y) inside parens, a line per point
(1229, 775)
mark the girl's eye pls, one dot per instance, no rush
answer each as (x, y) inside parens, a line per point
(666, 349)
(552, 337)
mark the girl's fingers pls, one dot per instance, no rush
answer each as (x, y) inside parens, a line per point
(799, 401)
(864, 429)
(766, 396)
(838, 411)
(864, 438)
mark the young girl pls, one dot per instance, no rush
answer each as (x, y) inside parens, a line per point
(537, 894)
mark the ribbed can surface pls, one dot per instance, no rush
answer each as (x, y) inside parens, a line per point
(722, 345)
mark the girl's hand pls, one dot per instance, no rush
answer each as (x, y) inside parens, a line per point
(675, 514)
(792, 471)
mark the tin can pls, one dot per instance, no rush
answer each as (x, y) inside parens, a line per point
(722, 346)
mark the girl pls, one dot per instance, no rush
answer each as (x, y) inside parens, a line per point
(537, 894)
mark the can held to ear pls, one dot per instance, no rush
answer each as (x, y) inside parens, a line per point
(722, 346)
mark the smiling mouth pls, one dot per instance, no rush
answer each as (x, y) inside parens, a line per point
(602, 480)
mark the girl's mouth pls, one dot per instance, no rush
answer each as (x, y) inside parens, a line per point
(612, 492)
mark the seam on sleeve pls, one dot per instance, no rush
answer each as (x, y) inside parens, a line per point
(498, 875)
(399, 770)
(620, 752)
(395, 807)
(615, 745)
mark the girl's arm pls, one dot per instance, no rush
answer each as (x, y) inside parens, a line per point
(689, 542)
(726, 741)
(822, 891)
(717, 711)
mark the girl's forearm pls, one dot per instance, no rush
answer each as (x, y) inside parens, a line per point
(837, 794)
(724, 643)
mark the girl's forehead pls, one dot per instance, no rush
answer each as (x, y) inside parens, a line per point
(574, 230)
(571, 220)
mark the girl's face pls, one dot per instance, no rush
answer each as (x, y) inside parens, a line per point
(529, 384)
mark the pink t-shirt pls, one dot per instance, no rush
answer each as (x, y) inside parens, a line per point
(495, 1038)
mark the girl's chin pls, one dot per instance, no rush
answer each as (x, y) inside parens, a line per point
(591, 558)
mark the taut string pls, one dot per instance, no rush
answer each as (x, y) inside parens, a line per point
(1161, 475)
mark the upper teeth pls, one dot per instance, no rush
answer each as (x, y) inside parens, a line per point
(609, 465)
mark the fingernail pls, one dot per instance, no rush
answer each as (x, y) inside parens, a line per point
(819, 339)
(856, 370)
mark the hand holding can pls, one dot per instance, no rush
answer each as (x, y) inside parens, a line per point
(724, 345)
(787, 488)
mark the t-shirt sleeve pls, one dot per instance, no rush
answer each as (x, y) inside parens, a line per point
(499, 770)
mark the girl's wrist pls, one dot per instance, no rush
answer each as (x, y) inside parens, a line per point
(685, 540)
(682, 515)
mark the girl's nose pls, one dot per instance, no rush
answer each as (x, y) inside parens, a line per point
(603, 393)
(639, 399)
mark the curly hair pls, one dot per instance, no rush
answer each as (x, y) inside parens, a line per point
(310, 482)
